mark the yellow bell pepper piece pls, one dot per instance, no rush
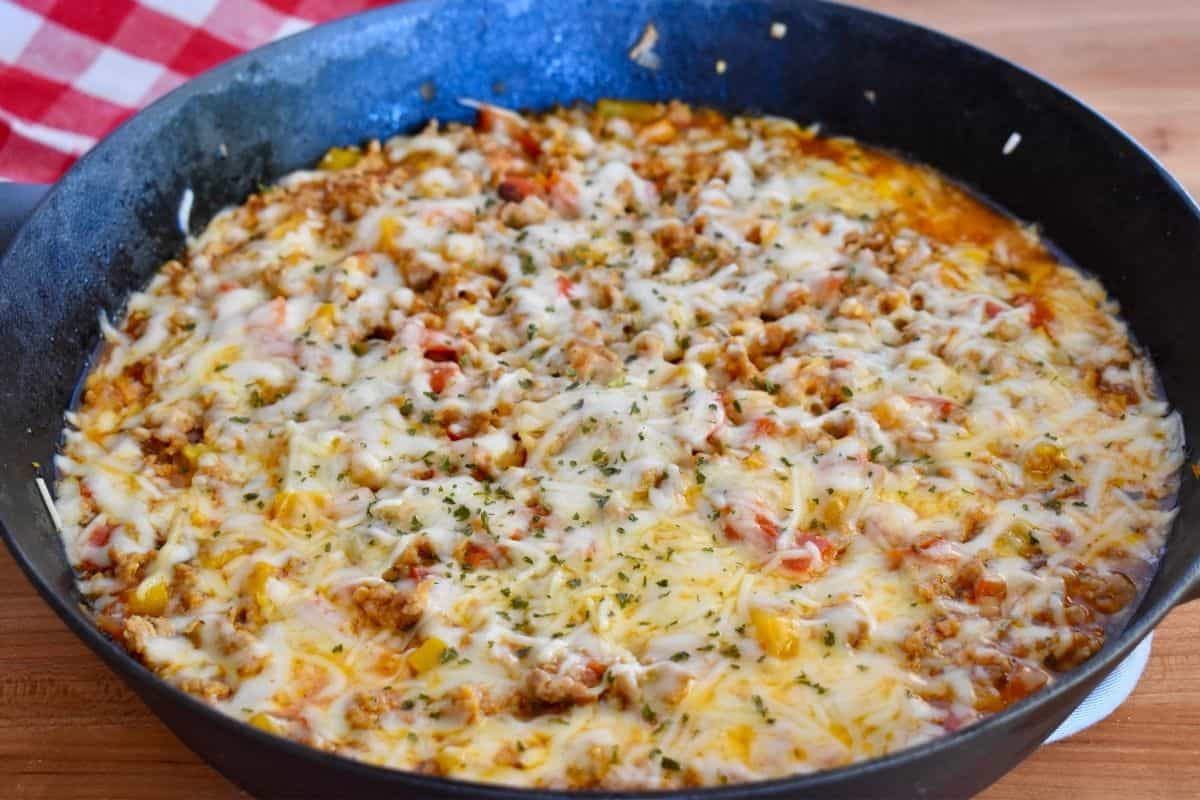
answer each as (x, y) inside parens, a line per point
(633, 110)
(324, 317)
(389, 229)
(298, 508)
(1046, 458)
(192, 453)
(290, 224)
(754, 461)
(215, 560)
(150, 597)
(340, 158)
(427, 656)
(1019, 539)
(265, 722)
(740, 738)
(449, 759)
(256, 586)
(833, 509)
(774, 633)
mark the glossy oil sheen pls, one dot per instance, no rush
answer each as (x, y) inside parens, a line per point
(111, 221)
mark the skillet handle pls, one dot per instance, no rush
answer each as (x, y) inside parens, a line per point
(17, 201)
(1192, 593)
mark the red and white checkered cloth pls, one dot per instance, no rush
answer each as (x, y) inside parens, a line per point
(72, 70)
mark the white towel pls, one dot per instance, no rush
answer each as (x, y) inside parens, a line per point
(1111, 692)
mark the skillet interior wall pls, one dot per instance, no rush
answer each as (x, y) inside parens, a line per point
(112, 222)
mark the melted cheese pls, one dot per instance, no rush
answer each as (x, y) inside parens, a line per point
(633, 447)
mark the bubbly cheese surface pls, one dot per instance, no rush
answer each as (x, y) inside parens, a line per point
(632, 446)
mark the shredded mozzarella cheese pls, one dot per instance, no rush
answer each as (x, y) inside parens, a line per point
(619, 447)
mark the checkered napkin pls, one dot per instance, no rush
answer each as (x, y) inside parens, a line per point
(72, 70)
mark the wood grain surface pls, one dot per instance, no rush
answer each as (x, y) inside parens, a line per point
(69, 728)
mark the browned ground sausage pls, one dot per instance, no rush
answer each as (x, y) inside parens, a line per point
(555, 685)
(389, 607)
(1106, 592)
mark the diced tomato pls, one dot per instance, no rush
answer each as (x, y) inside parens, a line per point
(939, 551)
(564, 197)
(100, 536)
(799, 563)
(990, 586)
(823, 545)
(266, 324)
(441, 353)
(457, 431)
(804, 563)
(565, 286)
(767, 526)
(487, 120)
(1039, 312)
(1022, 682)
(943, 406)
(829, 287)
(417, 573)
(515, 188)
(955, 720)
(476, 555)
(991, 308)
(763, 530)
(491, 119)
(895, 557)
(596, 671)
(438, 346)
(440, 375)
(765, 426)
(270, 315)
(529, 145)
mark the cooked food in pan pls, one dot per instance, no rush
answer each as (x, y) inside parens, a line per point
(626, 446)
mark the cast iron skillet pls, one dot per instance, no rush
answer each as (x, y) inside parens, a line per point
(104, 228)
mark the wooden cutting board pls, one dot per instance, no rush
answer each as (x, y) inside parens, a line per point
(69, 728)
